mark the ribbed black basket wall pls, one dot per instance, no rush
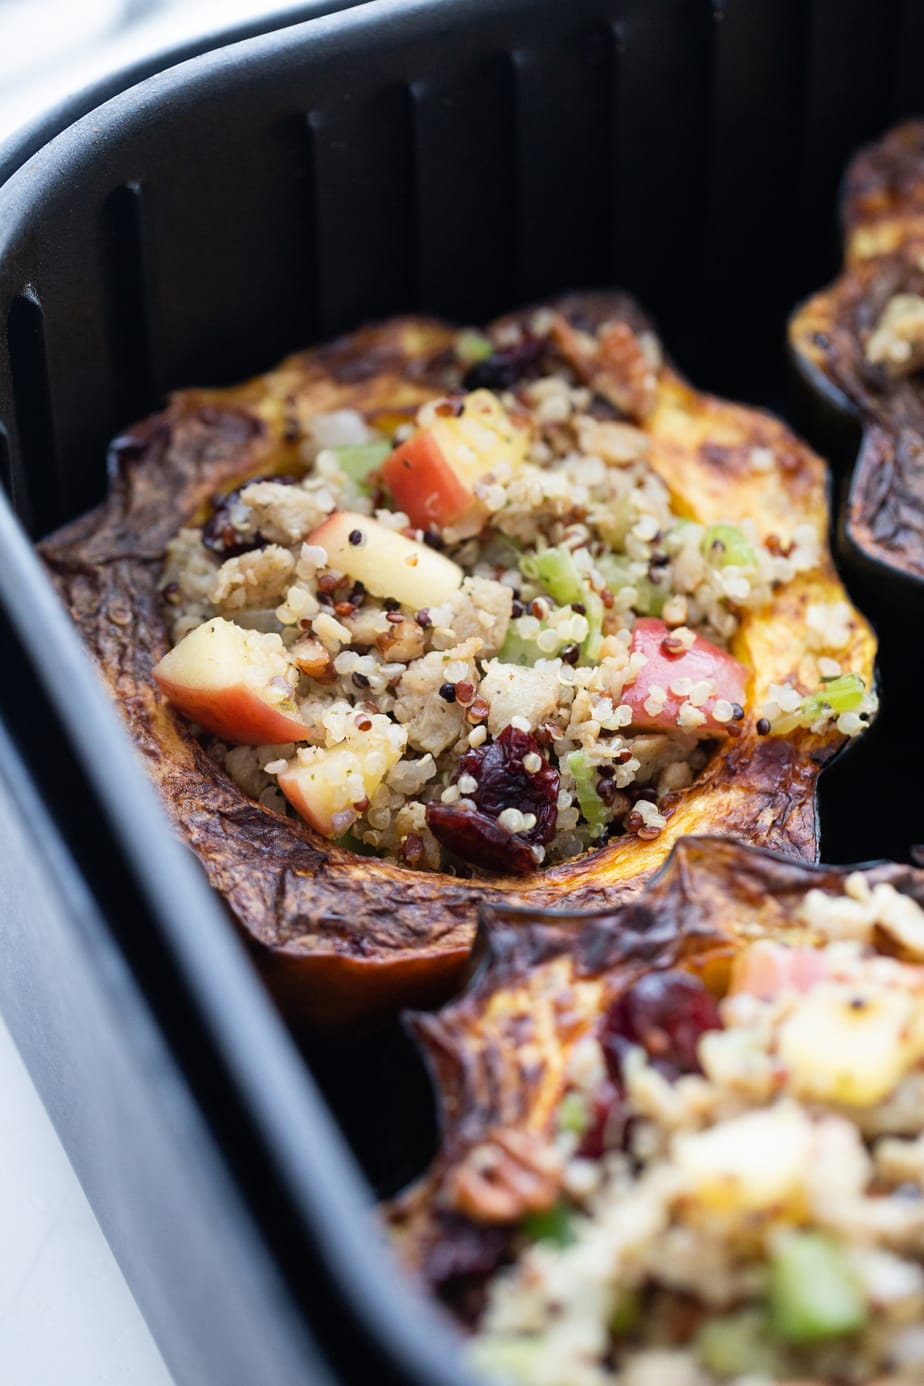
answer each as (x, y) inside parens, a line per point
(455, 156)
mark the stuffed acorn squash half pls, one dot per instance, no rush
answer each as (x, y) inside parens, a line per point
(683, 1141)
(429, 618)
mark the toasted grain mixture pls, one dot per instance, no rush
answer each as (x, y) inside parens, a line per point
(745, 1187)
(527, 716)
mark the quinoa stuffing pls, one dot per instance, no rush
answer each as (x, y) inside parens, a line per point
(484, 639)
(743, 1180)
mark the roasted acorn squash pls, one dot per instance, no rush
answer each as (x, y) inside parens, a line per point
(337, 934)
(498, 1055)
(860, 345)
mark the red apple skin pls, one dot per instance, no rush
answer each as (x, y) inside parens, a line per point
(702, 661)
(766, 969)
(234, 713)
(424, 484)
(290, 782)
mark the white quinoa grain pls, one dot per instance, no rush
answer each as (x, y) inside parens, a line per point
(690, 716)
(761, 459)
(702, 691)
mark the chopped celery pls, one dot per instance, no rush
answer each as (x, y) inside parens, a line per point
(585, 779)
(359, 460)
(593, 610)
(625, 1312)
(551, 1225)
(729, 545)
(616, 571)
(524, 649)
(509, 1358)
(518, 649)
(813, 1292)
(737, 1345)
(574, 1111)
(472, 347)
(841, 694)
(558, 573)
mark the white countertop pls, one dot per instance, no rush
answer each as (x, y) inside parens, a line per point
(67, 1317)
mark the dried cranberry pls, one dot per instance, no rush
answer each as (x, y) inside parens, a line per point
(501, 783)
(504, 367)
(479, 839)
(609, 1120)
(666, 1013)
(504, 783)
(220, 535)
(464, 1248)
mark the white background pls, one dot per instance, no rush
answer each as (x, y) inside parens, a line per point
(66, 1315)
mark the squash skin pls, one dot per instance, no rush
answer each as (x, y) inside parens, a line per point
(497, 1055)
(341, 937)
(882, 213)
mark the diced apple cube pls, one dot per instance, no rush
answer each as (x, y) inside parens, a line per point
(388, 564)
(767, 969)
(328, 784)
(236, 683)
(694, 687)
(748, 1164)
(433, 475)
(850, 1044)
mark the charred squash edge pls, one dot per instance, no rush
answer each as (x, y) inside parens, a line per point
(881, 521)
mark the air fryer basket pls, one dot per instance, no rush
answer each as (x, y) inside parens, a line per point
(454, 156)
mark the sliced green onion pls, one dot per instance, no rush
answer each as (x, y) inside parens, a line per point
(358, 460)
(472, 347)
(585, 780)
(728, 545)
(813, 1294)
(553, 1224)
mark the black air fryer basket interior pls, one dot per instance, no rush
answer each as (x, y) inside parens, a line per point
(449, 156)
